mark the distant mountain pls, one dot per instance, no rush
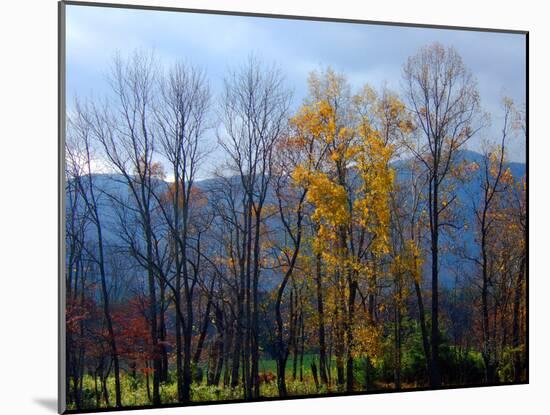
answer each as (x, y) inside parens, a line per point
(113, 189)
(452, 265)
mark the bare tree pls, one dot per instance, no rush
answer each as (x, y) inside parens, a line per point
(443, 98)
(124, 128)
(493, 182)
(79, 149)
(519, 319)
(181, 122)
(254, 115)
(77, 222)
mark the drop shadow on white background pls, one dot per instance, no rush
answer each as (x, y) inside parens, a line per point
(47, 403)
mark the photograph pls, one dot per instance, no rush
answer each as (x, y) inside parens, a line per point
(260, 207)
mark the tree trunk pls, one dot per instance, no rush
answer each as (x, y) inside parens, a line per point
(487, 353)
(423, 329)
(339, 318)
(204, 327)
(351, 313)
(179, 360)
(516, 341)
(162, 337)
(107, 312)
(397, 335)
(282, 350)
(302, 346)
(255, 352)
(187, 337)
(321, 316)
(153, 315)
(435, 375)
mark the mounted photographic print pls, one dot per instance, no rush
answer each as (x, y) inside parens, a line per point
(258, 207)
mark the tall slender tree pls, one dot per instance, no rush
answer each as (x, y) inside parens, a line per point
(181, 121)
(254, 110)
(124, 128)
(80, 148)
(443, 99)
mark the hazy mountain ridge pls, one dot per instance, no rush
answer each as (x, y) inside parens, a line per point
(113, 189)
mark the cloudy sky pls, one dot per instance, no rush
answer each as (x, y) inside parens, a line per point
(366, 53)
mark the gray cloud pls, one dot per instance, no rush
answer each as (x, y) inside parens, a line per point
(365, 52)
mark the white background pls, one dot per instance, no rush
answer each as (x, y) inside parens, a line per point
(28, 204)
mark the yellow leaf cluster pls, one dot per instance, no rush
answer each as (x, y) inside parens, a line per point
(408, 262)
(329, 198)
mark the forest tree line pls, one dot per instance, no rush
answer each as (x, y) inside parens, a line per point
(311, 259)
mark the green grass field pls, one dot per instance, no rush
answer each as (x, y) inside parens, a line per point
(134, 390)
(270, 365)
